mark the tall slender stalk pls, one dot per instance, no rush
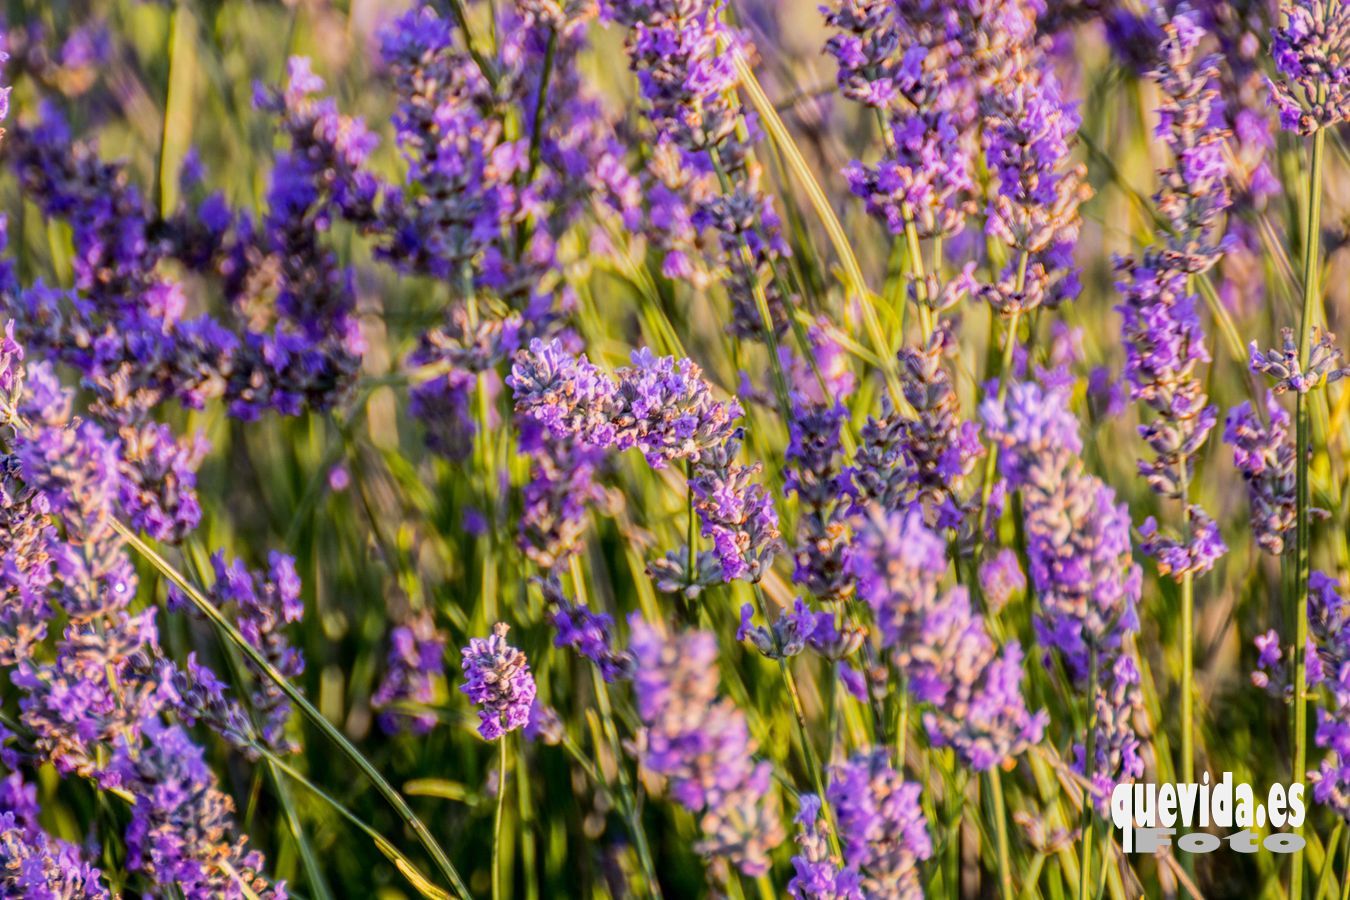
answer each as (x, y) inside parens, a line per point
(626, 795)
(1303, 530)
(502, 757)
(813, 768)
(994, 778)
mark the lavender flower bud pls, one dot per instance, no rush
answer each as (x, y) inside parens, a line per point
(497, 678)
(1265, 457)
(1310, 50)
(1324, 362)
(415, 664)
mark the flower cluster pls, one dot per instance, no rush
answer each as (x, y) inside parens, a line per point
(97, 705)
(32, 864)
(264, 605)
(497, 678)
(1078, 542)
(1029, 127)
(1164, 340)
(1264, 454)
(881, 825)
(663, 407)
(589, 633)
(181, 823)
(701, 744)
(941, 645)
(414, 666)
(1309, 47)
(684, 58)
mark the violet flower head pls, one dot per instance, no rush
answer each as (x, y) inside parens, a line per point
(32, 863)
(1283, 365)
(701, 744)
(898, 563)
(1329, 647)
(1311, 49)
(181, 829)
(976, 691)
(881, 825)
(817, 872)
(497, 678)
(588, 633)
(414, 666)
(684, 58)
(559, 495)
(1029, 128)
(263, 606)
(941, 448)
(1265, 455)
(665, 408)
(1078, 536)
(813, 474)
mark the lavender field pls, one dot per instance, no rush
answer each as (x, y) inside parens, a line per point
(674, 448)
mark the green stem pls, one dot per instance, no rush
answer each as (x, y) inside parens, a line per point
(502, 757)
(994, 779)
(627, 796)
(1005, 369)
(799, 719)
(307, 709)
(1303, 531)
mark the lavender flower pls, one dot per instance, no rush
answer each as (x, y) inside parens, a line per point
(1078, 541)
(1329, 647)
(1164, 339)
(497, 678)
(416, 663)
(1264, 455)
(1078, 537)
(818, 873)
(1313, 90)
(881, 825)
(1289, 374)
(181, 824)
(786, 637)
(701, 744)
(264, 605)
(976, 691)
(32, 863)
(1028, 128)
(665, 408)
(943, 649)
(589, 633)
(683, 57)
(813, 475)
(559, 494)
